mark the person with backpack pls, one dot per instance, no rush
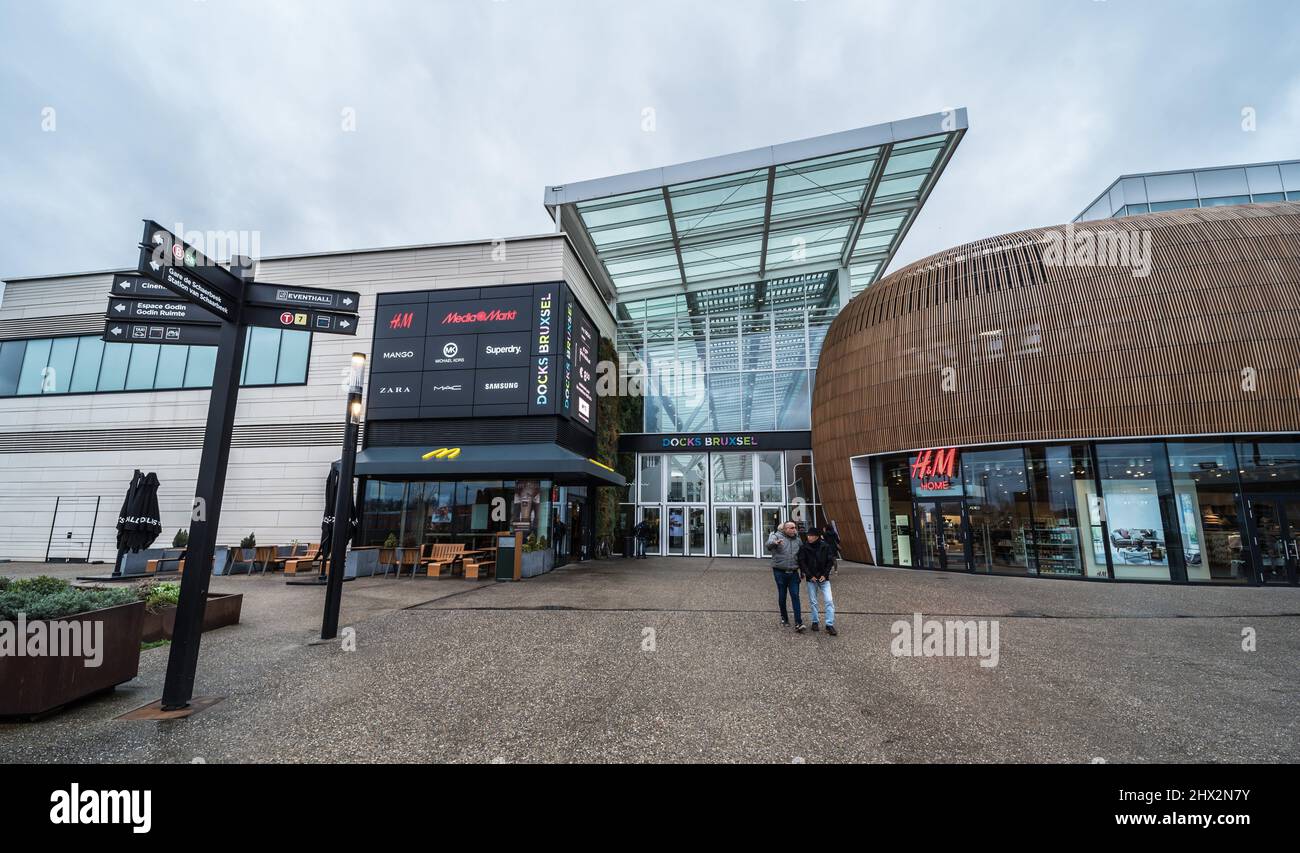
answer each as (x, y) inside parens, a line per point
(640, 536)
(816, 563)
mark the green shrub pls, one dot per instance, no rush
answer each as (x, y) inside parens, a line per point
(391, 541)
(249, 541)
(53, 602)
(40, 585)
(4, 583)
(181, 539)
(156, 595)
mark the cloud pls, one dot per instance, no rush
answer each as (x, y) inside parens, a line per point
(229, 115)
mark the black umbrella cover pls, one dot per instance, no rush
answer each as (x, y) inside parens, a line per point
(125, 512)
(148, 521)
(327, 519)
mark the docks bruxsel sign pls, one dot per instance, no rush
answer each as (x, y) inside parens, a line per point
(934, 470)
(509, 350)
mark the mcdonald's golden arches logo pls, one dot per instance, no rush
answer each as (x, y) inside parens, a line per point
(442, 453)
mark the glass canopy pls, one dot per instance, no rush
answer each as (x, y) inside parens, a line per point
(841, 202)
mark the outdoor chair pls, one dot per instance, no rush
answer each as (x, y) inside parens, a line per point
(441, 557)
(309, 562)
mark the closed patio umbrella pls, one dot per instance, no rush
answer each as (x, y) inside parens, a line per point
(123, 520)
(327, 519)
(125, 513)
(146, 514)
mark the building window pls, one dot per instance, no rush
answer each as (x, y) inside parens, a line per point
(687, 477)
(1131, 489)
(997, 509)
(1068, 539)
(1204, 476)
(86, 364)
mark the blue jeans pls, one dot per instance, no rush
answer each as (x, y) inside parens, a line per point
(788, 581)
(824, 587)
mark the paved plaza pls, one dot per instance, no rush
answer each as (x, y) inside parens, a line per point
(684, 660)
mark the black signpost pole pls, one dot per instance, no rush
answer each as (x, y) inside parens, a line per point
(184, 656)
(329, 627)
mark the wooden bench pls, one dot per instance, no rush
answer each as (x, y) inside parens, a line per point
(479, 569)
(308, 562)
(440, 558)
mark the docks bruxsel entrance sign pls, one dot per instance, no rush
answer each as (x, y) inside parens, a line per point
(509, 350)
(180, 296)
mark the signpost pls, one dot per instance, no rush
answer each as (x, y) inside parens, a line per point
(290, 296)
(181, 296)
(300, 318)
(160, 310)
(161, 332)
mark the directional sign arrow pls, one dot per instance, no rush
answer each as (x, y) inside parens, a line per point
(306, 321)
(135, 285)
(164, 332)
(159, 310)
(164, 249)
(183, 283)
(291, 296)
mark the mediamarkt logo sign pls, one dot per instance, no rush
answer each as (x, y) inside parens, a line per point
(495, 314)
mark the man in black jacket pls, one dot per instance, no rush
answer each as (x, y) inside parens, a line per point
(816, 563)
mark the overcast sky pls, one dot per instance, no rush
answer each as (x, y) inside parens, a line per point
(229, 115)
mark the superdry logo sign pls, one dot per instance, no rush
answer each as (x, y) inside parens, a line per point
(495, 315)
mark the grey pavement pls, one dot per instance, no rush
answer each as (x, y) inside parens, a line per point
(556, 668)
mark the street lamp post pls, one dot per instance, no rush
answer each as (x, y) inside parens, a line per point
(329, 628)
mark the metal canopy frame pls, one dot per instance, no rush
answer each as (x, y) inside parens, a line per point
(841, 202)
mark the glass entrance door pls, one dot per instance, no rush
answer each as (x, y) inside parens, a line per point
(650, 515)
(942, 535)
(1275, 524)
(697, 531)
(745, 546)
(676, 531)
(724, 531)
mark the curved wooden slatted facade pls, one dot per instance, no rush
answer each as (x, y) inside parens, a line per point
(1001, 341)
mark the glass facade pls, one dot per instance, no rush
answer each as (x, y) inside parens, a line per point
(1195, 511)
(734, 358)
(718, 504)
(87, 365)
(1155, 192)
(554, 519)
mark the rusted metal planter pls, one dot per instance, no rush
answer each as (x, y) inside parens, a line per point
(30, 686)
(222, 609)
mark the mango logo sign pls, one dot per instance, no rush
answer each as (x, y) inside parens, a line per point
(442, 453)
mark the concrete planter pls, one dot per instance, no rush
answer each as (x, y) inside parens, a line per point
(36, 685)
(221, 610)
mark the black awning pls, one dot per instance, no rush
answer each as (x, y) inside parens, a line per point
(505, 461)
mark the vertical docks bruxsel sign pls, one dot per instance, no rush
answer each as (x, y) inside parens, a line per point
(507, 350)
(180, 296)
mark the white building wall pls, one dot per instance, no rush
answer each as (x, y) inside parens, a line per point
(87, 445)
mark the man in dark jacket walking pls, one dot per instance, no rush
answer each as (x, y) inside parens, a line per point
(816, 563)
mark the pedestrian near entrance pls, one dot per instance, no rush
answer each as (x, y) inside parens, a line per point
(640, 536)
(816, 563)
(783, 545)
